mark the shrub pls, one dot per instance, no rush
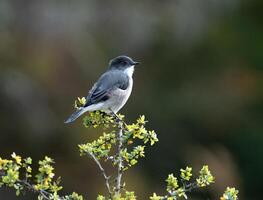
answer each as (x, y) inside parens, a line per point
(120, 144)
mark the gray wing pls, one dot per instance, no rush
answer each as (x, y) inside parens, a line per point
(106, 83)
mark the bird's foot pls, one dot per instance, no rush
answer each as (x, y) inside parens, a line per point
(118, 120)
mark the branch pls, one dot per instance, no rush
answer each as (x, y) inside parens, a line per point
(120, 160)
(43, 193)
(30, 187)
(103, 172)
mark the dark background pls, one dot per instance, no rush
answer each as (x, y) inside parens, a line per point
(199, 85)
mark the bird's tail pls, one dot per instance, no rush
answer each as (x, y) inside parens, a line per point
(75, 115)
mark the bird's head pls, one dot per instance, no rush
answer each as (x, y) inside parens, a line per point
(122, 63)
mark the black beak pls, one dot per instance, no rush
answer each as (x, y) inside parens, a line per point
(136, 63)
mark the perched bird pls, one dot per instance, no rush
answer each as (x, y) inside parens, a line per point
(112, 90)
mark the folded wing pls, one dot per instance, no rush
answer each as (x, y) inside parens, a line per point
(109, 81)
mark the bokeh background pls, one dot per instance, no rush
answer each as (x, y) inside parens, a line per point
(200, 86)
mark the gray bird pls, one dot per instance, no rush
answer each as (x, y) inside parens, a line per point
(110, 93)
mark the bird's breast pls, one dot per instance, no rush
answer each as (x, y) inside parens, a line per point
(119, 97)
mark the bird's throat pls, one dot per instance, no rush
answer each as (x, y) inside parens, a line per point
(129, 71)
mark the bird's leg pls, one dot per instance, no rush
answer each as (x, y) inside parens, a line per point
(118, 120)
(113, 114)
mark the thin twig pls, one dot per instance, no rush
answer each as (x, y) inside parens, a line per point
(191, 186)
(103, 172)
(43, 193)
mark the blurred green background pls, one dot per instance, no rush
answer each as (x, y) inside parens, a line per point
(199, 85)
